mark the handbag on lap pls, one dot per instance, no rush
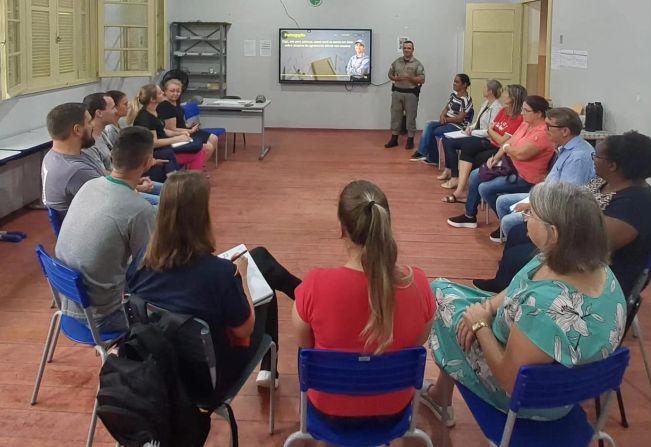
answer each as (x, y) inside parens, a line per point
(503, 168)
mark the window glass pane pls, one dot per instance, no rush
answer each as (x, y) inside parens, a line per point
(14, 73)
(13, 10)
(133, 60)
(125, 14)
(13, 37)
(125, 37)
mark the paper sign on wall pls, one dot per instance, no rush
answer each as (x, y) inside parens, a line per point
(249, 48)
(574, 59)
(265, 48)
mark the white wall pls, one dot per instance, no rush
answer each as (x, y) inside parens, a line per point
(435, 26)
(616, 34)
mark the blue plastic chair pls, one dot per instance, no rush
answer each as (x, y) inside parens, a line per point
(191, 110)
(67, 282)
(55, 220)
(552, 386)
(354, 374)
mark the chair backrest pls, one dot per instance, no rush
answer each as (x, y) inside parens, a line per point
(194, 347)
(356, 374)
(55, 220)
(63, 280)
(551, 386)
(190, 110)
(634, 299)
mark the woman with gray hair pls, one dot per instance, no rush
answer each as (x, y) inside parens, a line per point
(564, 306)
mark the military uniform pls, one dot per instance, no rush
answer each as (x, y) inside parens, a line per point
(404, 94)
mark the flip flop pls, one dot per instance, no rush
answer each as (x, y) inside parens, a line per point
(452, 199)
(443, 414)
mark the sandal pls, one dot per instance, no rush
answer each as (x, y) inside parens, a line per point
(443, 414)
(452, 199)
(449, 185)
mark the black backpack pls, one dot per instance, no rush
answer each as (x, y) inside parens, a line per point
(141, 396)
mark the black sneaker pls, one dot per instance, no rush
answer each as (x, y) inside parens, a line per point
(410, 143)
(417, 156)
(496, 236)
(489, 285)
(428, 162)
(393, 142)
(463, 221)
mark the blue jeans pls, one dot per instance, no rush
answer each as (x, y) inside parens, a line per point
(427, 144)
(117, 321)
(509, 219)
(490, 190)
(153, 196)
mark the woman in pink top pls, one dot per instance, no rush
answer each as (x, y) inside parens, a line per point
(530, 150)
(369, 305)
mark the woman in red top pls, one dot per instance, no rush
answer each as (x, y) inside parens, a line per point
(478, 148)
(369, 305)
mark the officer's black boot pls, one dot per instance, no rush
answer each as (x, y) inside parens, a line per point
(410, 143)
(393, 142)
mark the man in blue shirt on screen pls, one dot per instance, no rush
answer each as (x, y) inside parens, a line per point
(359, 64)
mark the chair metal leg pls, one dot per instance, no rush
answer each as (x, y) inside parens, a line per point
(296, 436)
(234, 135)
(272, 389)
(53, 345)
(640, 338)
(93, 424)
(244, 138)
(597, 407)
(44, 356)
(420, 434)
(605, 436)
(622, 411)
(225, 146)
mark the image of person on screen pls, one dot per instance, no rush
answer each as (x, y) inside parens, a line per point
(407, 74)
(359, 65)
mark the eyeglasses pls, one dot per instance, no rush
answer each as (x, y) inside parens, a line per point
(594, 155)
(549, 126)
(528, 215)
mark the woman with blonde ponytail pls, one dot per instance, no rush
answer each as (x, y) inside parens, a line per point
(369, 305)
(143, 113)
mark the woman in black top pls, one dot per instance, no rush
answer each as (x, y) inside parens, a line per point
(172, 114)
(622, 165)
(143, 113)
(178, 272)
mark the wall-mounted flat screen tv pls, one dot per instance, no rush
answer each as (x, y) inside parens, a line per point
(324, 55)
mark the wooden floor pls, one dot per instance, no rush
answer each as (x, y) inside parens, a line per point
(287, 203)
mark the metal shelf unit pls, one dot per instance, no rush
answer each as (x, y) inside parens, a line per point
(199, 49)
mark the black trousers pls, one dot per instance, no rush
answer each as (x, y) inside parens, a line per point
(474, 150)
(235, 360)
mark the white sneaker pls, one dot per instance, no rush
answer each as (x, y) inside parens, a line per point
(264, 379)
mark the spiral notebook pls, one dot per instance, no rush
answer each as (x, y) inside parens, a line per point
(260, 290)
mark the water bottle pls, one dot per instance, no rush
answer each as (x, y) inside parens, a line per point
(590, 117)
(599, 125)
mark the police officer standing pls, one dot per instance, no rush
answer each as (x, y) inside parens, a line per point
(407, 74)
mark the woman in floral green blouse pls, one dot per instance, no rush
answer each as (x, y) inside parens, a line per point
(564, 306)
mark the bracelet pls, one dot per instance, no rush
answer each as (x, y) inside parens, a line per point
(478, 325)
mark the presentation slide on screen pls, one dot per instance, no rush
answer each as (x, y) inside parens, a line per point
(325, 55)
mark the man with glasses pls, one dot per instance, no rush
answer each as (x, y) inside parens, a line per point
(573, 165)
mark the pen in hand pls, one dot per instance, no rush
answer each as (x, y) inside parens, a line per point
(235, 257)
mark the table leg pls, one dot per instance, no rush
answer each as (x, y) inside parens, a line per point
(264, 150)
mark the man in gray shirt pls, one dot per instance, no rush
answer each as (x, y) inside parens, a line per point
(108, 222)
(102, 113)
(407, 74)
(65, 169)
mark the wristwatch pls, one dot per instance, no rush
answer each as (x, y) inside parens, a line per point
(478, 325)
